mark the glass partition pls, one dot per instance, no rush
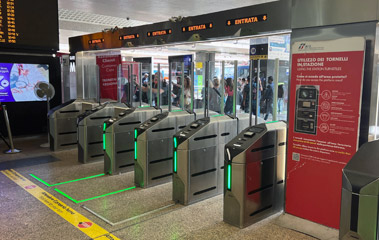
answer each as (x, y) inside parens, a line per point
(198, 85)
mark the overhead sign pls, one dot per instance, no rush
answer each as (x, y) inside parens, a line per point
(324, 116)
(247, 20)
(197, 27)
(129, 36)
(159, 33)
(96, 41)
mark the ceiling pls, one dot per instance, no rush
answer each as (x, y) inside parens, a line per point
(79, 17)
(154, 10)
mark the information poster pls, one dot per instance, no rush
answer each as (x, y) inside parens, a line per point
(326, 86)
(108, 68)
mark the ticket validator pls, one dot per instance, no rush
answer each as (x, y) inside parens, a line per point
(254, 174)
(199, 151)
(153, 142)
(63, 123)
(118, 132)
(90, 130)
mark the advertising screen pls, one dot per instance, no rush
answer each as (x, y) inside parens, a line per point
(18, 80)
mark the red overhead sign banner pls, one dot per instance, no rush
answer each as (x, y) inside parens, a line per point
(326, 89)
(108, 68)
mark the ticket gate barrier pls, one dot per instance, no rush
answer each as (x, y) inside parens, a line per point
(90, 130)
(119, 138)
(360, 195)
(153, 147)
(63, 123)
(199, 157)
(254, 174)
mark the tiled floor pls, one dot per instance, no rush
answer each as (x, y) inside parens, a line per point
(133, 214)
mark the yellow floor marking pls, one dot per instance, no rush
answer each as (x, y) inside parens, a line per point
(82, 223)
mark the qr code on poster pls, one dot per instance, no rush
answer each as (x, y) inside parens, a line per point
(296, 157)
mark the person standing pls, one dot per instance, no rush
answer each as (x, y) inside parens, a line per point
(187, 92)
(214, 95)
(229, 94)
(269, 96)
(280, 97)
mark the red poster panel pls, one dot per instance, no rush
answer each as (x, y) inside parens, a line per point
(108, 66)
(326, 86)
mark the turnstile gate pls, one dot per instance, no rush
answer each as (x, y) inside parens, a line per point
(119, 138)
(360, 195)
(254, 174)
(153, 147)
(199, 157)
(90, 130)
(63, 123)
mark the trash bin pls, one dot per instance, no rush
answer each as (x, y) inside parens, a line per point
(360, 191)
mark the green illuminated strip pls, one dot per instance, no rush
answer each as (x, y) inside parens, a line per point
(67, 196)
(75, 180)
(135, 144)
(175, 161)
(104, 141)
(40, 180)
(272, 122)
(219, 115)
(146, 106)
(104, 127)
(177, 110)
(92, 198)
(135, 150)
(175, 143)
(229, 176)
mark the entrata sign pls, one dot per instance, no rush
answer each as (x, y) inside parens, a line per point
(130, 36)
(96, 41)
(247, 20)
(159, 33)
(323, 125)
(198, 27)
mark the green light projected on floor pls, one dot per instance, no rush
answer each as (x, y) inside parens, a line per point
(229, 177)
(57, 184)
(92, 198)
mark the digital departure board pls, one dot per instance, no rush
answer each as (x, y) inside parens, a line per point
(197, 27)
(246, 20)
(26, 24)
(159, 33)
(129, 36)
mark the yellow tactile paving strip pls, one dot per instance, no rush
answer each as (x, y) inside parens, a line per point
(80, 222)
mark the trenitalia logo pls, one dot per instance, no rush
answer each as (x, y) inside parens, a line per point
(302, 46)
